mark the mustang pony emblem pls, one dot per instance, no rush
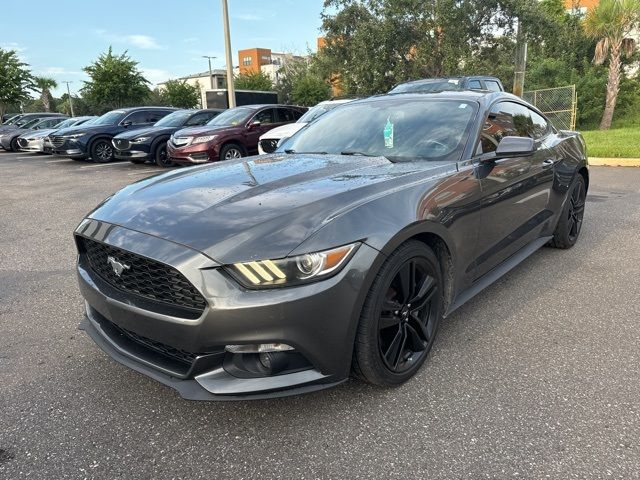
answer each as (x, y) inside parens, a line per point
(118, 267)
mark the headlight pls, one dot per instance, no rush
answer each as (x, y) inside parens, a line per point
(290, 271)
(140, 139)
(204, 139)
(76, 135)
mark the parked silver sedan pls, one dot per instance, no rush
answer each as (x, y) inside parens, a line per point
(35, 141)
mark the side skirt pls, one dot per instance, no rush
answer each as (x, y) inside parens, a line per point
(502, 269)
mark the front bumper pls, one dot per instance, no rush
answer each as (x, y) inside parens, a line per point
(70, 148)
(192, 154)
(297, 316)
(129, 154)
(31, 145)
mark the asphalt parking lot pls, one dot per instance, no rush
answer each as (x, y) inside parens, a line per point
(537, 377)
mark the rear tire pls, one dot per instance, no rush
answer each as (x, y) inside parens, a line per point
(102, 151)
(231, 151)
(571, 217)
(400, 317)
(162, 157)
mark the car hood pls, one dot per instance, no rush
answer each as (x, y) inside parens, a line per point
(147, 131)
(257, 207)
(43, 132)
(203, 130)
(283, 131)
(84, 128)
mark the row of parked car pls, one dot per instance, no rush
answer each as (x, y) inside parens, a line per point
(168, 136)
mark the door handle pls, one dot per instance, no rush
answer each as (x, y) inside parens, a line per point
(549, 162)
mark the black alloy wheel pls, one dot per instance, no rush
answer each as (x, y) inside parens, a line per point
(400, 317)
(102, 151)
(162, 157)
(572, 216)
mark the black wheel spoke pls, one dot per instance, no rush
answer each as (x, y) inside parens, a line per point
(388, 320)
(391, 306)
(392, 354)
(425, 294)
(405, 277)
(419, 328)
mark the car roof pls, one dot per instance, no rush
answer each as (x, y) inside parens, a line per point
(483, 97)
(146, 107)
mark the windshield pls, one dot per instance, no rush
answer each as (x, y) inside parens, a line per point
(428, 86)
(30, 123)
(316, 112)
(397, 128)
(110, 118)
(12, 120)
(233, 116)
(86, 121)
(21, 122)
(67, 123)
(175, 119)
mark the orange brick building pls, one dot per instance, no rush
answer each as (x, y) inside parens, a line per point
(580, 4)
(251, 59)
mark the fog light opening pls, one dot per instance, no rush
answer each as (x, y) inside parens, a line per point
(259, 348)
(273, 362)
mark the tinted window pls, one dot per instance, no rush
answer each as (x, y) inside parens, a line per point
(285, 115)
(233, 116)
(154, 115)
(539, 126)
(428, 86)
(110, 118)
(297, 114)
(506, 119)
(397, 128)
(493, 85)
(265, 117)
(475, 84)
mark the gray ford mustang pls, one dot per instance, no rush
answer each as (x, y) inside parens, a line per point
(338, 254)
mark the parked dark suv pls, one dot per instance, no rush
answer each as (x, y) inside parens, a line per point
(150, 143)
(424, 85)
(94, 140)
(231, 134)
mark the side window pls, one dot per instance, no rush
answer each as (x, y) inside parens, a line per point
(265, 117)
(199, 119)
(475, 84)
(297, 113)
(539, 126)
(506, 119)
(137, 118)
(154, 115)
(493, 85)
(285, 115)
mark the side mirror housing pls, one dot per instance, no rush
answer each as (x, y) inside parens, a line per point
(515, 147)
(128, 123)
(254, 124)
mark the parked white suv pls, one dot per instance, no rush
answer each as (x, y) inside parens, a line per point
(269, 141)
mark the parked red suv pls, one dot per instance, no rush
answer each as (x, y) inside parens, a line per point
(232, 134)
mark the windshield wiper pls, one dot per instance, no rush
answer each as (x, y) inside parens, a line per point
(351, 152)
(290, 150)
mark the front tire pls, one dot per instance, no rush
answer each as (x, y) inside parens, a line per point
(102, 151)
(570, 222)
(162, 157)
(400, 316)
(231, 151)
(13, 145)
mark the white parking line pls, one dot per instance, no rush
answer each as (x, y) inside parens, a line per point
(23, 157)
(143, 171)
(99, 165)
(59, 160)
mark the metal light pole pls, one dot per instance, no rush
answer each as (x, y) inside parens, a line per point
(227, 48)
(521, 61)
(70, 99)
(210, 71)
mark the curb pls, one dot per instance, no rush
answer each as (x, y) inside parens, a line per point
(614, 162)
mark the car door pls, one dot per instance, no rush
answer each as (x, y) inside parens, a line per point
(515, 190)
(267, 120)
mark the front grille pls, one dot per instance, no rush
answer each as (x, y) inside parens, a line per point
(269, 145)
(141, 276)
(121, 144)
(161, 348)
(23, 142)
(57, 141)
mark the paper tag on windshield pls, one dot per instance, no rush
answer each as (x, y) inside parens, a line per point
(388, 134)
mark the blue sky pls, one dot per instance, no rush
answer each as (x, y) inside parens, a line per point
(168, 38)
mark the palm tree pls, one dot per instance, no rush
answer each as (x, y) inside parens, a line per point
(611, 23)
(44, 85)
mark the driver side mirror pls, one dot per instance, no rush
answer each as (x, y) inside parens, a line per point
(128, 123)
(515, 147)
(254, 124)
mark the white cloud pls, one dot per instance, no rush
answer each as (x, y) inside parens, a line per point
(190, 40)
(156, 75)
(142, 41)
(13, 46)
(59, 71)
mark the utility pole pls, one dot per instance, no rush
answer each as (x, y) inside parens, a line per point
(227, 48)
(210, 71)
(521, 61)
(70, 99)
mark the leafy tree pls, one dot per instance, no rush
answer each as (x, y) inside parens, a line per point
(115, 82)
(288, 75)
(178, 93)
(16, 80)
(253, 81)
(44, 86)
(309, 90)
(611, 23)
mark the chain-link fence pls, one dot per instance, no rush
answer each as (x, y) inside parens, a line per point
(558, 104)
